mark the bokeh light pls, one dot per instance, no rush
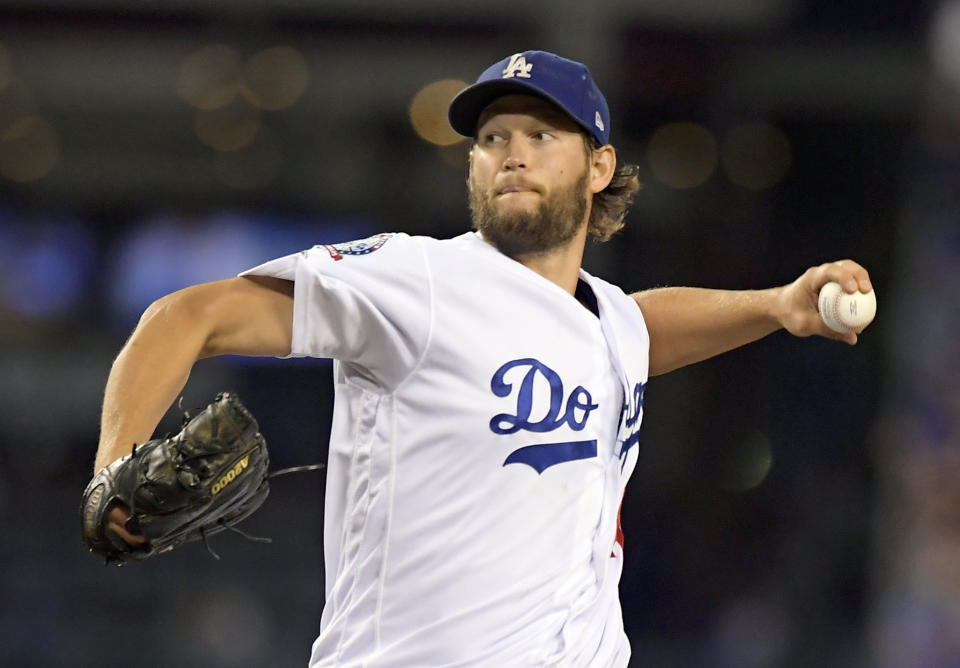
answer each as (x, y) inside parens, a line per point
(233, 627)
(428, 112)
(29, 149)
(275, 78)
(47, 266)
(211, 77)
(682, 155)
(756, 156)
(228, 128)
(944, 45)
(747, 464)
(16, 101)
(166, 253)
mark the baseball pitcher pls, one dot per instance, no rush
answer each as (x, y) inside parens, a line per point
(489, 394)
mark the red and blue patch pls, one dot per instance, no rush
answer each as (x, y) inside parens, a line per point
(358, 247)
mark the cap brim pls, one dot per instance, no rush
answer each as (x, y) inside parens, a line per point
(466, 107)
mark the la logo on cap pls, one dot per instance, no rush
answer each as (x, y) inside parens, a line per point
(517, 67)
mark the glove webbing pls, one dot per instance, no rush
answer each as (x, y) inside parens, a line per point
(250, 537)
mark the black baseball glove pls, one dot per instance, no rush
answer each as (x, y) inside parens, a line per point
(182, 488)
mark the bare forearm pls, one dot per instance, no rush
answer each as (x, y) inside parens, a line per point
(688, 325)
(240, 316)
(146, 377)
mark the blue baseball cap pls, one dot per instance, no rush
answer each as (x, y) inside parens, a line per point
(565, 83)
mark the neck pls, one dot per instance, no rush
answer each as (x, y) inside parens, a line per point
(560, 265)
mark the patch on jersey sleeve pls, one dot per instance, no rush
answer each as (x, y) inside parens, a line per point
(358, 247)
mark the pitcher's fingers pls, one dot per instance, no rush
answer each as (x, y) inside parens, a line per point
(116, 522)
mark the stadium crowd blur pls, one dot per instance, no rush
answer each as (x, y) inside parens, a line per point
(795, 501)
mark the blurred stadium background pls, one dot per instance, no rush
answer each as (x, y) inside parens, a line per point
(795, 502)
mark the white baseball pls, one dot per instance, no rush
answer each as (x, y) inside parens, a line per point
(846, 312)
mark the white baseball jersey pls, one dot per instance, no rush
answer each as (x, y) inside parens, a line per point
(483, 433)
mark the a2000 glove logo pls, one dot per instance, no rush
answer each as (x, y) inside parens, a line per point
(230, 475)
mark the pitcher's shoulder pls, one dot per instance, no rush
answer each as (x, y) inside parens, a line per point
(465, 248)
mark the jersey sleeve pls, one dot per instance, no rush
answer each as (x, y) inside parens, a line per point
(366, 302)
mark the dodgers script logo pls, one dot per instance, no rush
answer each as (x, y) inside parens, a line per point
(571, 410)
(631, 414)
(517, 67)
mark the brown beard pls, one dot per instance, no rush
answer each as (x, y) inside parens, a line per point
(554, 222)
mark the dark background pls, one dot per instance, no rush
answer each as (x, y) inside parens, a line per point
(778, 515)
